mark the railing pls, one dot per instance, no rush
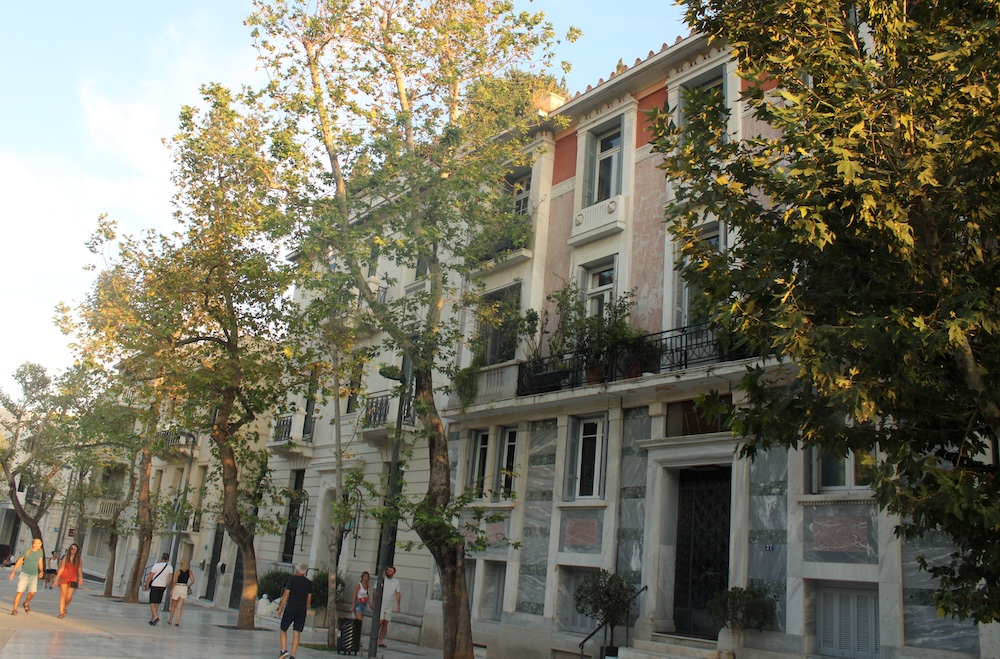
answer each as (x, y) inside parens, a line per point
(283, 429)
(673, 350)
(376, 412)
(174, 438)
(196, 522)
(628, 616)
(102, 508)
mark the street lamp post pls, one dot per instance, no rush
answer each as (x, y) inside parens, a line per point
(175, 536)
(390, 521)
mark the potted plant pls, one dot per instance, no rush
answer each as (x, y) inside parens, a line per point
(739, 609)
(600, 339)
(606, 598)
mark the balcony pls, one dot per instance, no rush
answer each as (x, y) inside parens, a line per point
(293, 435)
(380, 412)
(599, 220)
(175, 442)
(673, 350)
(102, 509)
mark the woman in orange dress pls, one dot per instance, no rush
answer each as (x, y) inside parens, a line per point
(69, 577)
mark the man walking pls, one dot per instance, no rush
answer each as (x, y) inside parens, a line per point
(390, 597)
(32, 565)
(295, 602)
(156, 583)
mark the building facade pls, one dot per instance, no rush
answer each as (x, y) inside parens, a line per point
(618, 469)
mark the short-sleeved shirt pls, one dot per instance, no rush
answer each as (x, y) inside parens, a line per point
(390, 587)
(30, 564)
(299, 588)
(162, 572)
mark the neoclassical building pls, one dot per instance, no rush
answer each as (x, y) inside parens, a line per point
(618, 470)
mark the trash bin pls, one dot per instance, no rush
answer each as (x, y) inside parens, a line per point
(350, 636)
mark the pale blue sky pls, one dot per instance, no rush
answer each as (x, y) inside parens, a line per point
(93, 87)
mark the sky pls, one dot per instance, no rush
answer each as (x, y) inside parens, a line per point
(94, 87)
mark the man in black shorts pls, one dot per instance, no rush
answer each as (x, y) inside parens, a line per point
(295, 602)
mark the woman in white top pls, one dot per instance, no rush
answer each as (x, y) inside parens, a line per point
(360, 604)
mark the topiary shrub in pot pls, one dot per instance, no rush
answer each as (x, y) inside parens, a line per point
(605, 597)
(739, 609)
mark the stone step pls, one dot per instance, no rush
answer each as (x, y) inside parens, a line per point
(666, 646)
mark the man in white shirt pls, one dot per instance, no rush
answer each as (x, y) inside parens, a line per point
(156, 583)
(391, 599)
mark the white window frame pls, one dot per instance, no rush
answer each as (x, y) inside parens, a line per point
(848, 467)
(479, 455)
(587, 448)
(598, 296)
(684, 315)
(506, 463)
(521, 186)
(595, 155)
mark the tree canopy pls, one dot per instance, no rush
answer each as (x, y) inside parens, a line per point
(864, 200)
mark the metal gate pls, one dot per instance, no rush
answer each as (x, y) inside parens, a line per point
(702, 568)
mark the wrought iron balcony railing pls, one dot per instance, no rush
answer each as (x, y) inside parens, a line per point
(673, 350)
(377, 408)
(283, 429)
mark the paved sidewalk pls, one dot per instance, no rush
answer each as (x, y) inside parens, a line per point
(98, 627)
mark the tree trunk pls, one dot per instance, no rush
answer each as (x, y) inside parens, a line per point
(145, 515)
(237, 529)
(449, 555)
(332, 615)
(336, 524)
(109, 574)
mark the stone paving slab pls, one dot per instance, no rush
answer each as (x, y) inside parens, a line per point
(99, 627)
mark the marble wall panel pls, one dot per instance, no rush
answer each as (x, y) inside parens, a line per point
(581, 531)
(922, 628)
(769, 465)
(840, 534)
(768, 512)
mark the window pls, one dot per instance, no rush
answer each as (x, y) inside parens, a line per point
(506, 462)
(707, 88)
(354, 389)
(498, 322)
(478, 457)
(423, 266)
(689, 310)
(832, 472)
(522, 194)
(608, 165)
(491, 598)
(847, 623)
(575, 622)
(603, 164)
(686, 418)
(599, 287)
(586, 457)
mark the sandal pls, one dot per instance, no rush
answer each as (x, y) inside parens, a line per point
(62, 615)
(27, 609)
(14, 612)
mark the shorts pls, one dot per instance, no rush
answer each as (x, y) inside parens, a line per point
(156, 594)
(361, 607)
(386, 615)
(295, 619)
(179, 592)
(51, 571)
(27, 583)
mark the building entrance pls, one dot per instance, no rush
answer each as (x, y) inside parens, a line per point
(702, 568)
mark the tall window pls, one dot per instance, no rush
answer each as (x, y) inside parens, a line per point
(498, 324)
(599, 287)
(478, 457)
(522, 194)
(586, 457)
(506, 463)
(603, 164)
(689, 309)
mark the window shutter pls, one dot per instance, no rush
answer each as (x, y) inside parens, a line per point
(827, 624)
(603, 475)
(844, 619)
(589, 170)
(621, 157)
